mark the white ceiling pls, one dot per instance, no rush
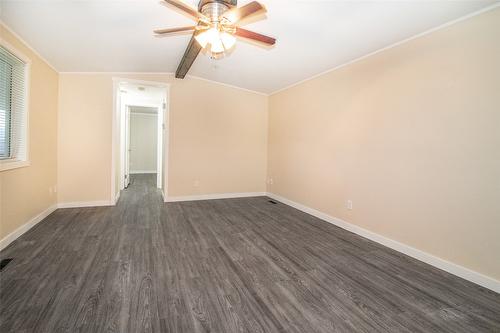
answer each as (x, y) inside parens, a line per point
(313, 36)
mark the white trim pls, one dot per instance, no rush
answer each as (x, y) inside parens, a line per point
(8, 165)
(163, 195)
(117, 130)
(144, 104)
(189, 76)
(445, 265)
(2, 23)
(25, 227)
(15, 51)
(460, 271)
(117, 197)
(118, 79)
(119, 73)
(215, 196)
(160, 151)
(81, 204)
(138, 113)
(227, 85)
(165, 130)
(439, 27)
(142, 171)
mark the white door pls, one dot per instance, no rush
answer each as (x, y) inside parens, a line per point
(159, 154)
(127, 146)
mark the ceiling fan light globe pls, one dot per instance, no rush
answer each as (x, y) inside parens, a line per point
(216, 46)
(208, 37)
(203, 38)
(227, 39)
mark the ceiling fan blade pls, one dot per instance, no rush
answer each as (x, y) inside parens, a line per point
(187, 9)
(254, 36)
(192, 51)
(236, 14)
(172, 30)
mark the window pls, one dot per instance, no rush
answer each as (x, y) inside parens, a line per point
(13, 109)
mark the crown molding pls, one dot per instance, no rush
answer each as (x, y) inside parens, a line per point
(9, 29)
(404, 41)
(227, 85)
(188, 76)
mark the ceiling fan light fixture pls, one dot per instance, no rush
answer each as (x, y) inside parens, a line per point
(219, 40)
(216, 46)
(217, 26)
(205, 37)
(227, 39)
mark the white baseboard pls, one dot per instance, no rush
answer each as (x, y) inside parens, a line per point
(215, 196)
(25, 227)
(163, 195)
(464, 273)
(117, 196)
(445, 265)
(142, 171)
(81, 204)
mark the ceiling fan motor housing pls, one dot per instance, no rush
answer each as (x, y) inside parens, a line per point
(214, 8)
(229, 3)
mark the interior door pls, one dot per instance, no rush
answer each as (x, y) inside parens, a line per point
(159, 154)
(127, 147)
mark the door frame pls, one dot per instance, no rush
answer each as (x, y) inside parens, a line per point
(118, 146)
(125, 159)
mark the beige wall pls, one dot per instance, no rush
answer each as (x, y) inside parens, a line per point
(84, 138)
(217, 134)
(143, 142)
(24, 192)
(218, 137)
(411, 136)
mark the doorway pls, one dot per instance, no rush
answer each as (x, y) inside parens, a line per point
(140, 139)
(141, 142)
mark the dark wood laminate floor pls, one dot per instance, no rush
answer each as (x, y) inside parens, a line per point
(235, 265)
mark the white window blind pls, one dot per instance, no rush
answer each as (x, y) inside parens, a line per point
(13, 107)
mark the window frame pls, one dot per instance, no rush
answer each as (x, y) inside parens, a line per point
(13, 163)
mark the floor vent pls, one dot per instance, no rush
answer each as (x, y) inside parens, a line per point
(4, 263)
(273, 202)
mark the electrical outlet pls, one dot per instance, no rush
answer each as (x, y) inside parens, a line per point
(348, 204)
(196, 183)
(270, 181)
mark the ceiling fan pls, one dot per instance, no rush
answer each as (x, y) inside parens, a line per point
(215, 30)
